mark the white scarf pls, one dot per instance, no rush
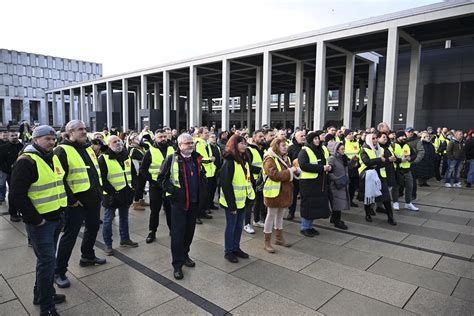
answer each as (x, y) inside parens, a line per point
(373, 187)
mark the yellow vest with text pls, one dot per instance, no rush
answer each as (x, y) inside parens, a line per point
(47, 193)
(372, 155)
(256, 160)
(352, 148)
(271, 189)
(156, 160)
(77, 177)
(205, 150)
(399, 152)
(117, 176)
(242, 185)
(312, 160)
(326, 152)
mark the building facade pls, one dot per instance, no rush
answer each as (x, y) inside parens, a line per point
(24, 78)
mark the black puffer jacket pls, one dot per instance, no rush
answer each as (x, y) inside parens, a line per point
(424, 166)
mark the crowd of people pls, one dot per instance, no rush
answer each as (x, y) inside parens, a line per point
(60, 181)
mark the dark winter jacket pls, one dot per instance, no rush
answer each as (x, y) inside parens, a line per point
(314, 192)
(455, 150)
(424, 165)
(469, 149)
(294, 150)
(339, 195)
(8, 155)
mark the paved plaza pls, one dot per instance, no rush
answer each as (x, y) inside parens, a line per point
(422, 266)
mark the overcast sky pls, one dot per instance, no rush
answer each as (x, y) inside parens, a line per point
(128, 35)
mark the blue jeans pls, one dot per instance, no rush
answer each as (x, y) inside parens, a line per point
(454, 171)
(470, 173)
(306, 224)
(74, 217)
(233, 229)
(109, 215)
(44, 239)
(3, 185)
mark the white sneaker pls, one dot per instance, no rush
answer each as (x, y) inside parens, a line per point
(448, 185)
(457, 185)
(249, 229)
(411, 207)
(259, 224)
(396, 206)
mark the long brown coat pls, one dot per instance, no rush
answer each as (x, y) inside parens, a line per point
(285, 176)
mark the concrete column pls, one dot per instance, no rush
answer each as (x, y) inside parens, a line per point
(390, 76)
(320, 91)
(62, 109)
(258, 99)
(348, 86)
(95, 98)
(370, 94)
(361, 94)
(26, 110)
(243, 103)
(413, 83)
(266, 88)
(299, 100)
(249, 108)
(125, 126)
(279, 102)
(110, 103)
(72, 113)
(7, 110)
(225, 94)
(199, 101)
(54, 108)
(82, 104)
(307, 104)
(192, 96)
(156, 100)
(286, 105)
(144, 92)
(166, 98)
(43, 111)
(138, 119)
(176, 101)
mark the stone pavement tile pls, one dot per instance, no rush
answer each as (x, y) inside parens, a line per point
(399, 253)
(426, 208)
(450, 227)
(368, 230)
(177, 306)
(471, 222)
(10, 238)
(446, 211)
(350, 257)
(215, 234)
(12, 308)
(285, 257)
(372, 285)
(17, 261)
(77, 294)
(269, 303)
(326, 235)
(428, 302)
(20, 226)
(6, 293)
(350, 303)
(438, 217)
(292, 285)
(127, 290)
(154, 256)
(465, 239)
(456, 267)
(465, 290)
(213, 255)
(423, 231)
(93, 307)
(382, 218)
(116, 236)
(440, 245)
(5, 224)
(222, 289)
(431, 279)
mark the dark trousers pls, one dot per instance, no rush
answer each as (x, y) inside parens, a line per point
(444, 167)
(437, 166)
(233, 229)
(296, 191)
(44, 239)
(353, 186)
(156, 201)
(11, 209)
(74, 217)
(183, 223)
(139, 187)
(259, 211)
(212, 186)
(415, 186)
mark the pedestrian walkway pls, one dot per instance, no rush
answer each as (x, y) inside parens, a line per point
(424, 265)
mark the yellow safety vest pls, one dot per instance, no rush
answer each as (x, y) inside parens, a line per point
(372, 155)
(117, 176)
(271, 189)
(352, 148)
(256, 160)
(399, 152)
(77, 177)
(105, 136)
(205, 151)
(156, 161)
(326, 152)
(174, 174)
(48, 193)
(442, 139)
(312, 160)
(243, 189)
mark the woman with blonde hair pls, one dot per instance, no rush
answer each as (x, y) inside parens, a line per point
(277, 190)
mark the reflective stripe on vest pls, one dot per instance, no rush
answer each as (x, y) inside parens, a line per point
(174, 174)
(156, 161)
(242, 186)
(352, 148)
(77, 177)
(372, 155)
(400, 152)
(205, 150)
(256, 160)
(271, 189)
(312, 160)
(117, 176)
(48, 193)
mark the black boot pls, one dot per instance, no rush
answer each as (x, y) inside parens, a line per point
(338, 223)
(390, 219)
(367, 209)
(333, 219)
